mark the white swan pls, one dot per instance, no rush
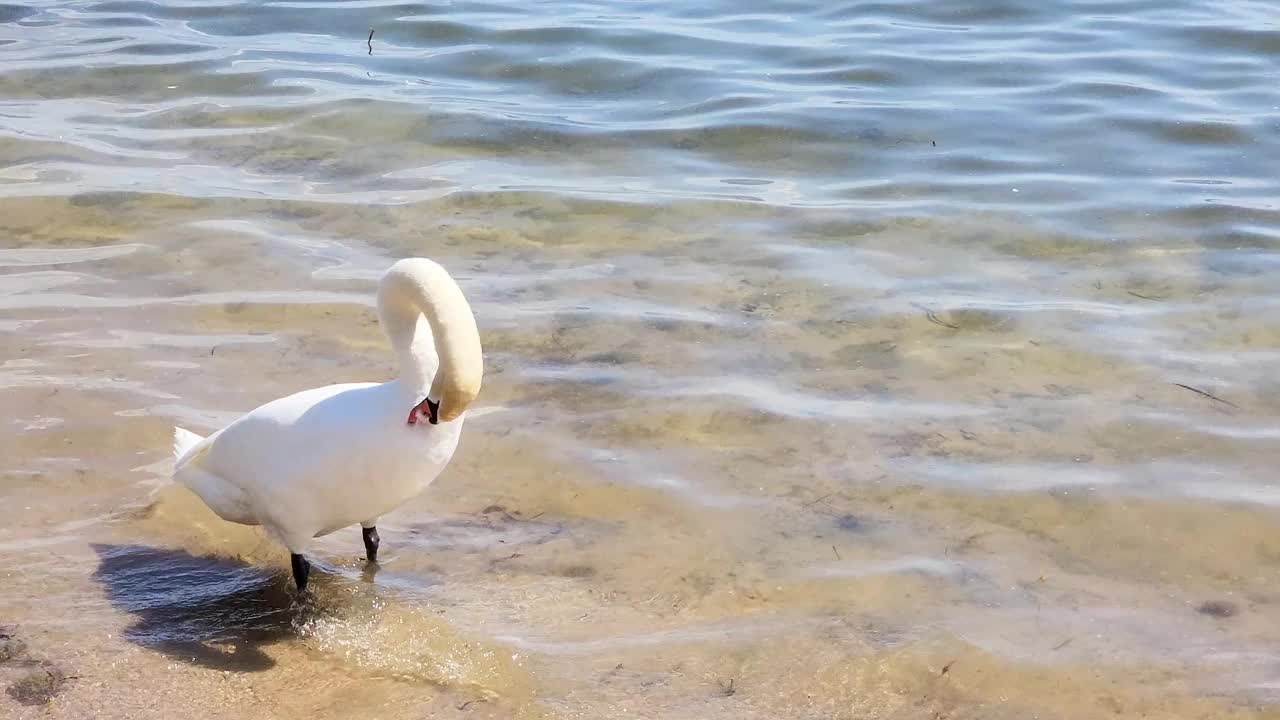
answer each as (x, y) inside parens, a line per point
(320, 460)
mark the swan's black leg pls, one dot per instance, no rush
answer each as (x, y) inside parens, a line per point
(371, 541)
(301, 571)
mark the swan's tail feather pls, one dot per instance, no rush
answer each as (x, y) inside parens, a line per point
(184, 441)
(223, 498)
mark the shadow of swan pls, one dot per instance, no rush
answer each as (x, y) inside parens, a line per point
(212, 612)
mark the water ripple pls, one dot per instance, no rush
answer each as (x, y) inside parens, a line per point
(730, 88)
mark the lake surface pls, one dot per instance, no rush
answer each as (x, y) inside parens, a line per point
(844, 359)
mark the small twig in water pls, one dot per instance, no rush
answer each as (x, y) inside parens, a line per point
(1062, 644)
(1209, 395)
(936, 321)
(811, 503)
(465, 705)
(370, 41)
(933, 317)
(837, 552)
(1145, 297)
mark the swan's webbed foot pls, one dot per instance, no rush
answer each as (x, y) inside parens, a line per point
(427, 408)
(301, 571)
(371, 541)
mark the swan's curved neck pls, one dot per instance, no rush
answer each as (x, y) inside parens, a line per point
(431, 326)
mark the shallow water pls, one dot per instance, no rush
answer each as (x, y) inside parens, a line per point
(844, 360)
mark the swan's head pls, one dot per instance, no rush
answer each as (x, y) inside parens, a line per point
(452, 404)
(456, 390)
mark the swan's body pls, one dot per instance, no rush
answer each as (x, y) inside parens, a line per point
(320, 460)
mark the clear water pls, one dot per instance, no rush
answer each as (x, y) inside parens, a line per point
(845, 360)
